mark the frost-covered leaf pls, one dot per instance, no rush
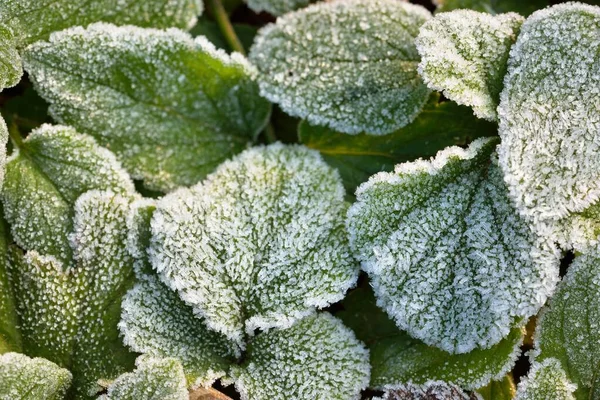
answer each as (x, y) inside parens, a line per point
(260, 243)
(3, 143)
(550, 121)
(10, 337)
(44, 177)
(156, 322)
(569, 329)
(357, 157)
(276, 7)
(449, 258)
(397, 358)
(350, 65)
(546, 380)
(24, 378)
(153, 379)
(34, 20)
(432, 390)
(11, 68)
(499, 390)
(171, 107)
(493, 6)
(464, 54)
(317, 358)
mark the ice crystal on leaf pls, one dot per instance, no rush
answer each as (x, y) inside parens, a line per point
(171, 107)
(276, 7)
(450, 259)
(260, 243)
(464, 54)
(317, 358)
(153, 379)
(347, 64)
(432, 390)
(550, 121)
(3, 142)
(546, 380)
(11, 69)
(24, 378)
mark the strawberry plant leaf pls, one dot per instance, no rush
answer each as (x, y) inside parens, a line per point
(546, 380)
(350, 65)
(449, 258)
(171, 107)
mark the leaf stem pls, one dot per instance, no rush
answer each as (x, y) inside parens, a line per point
(270, 133)
(222, 19)
(15, 135)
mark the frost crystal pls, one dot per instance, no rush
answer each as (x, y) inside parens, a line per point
(11, 69)
(44, 177)
(347, 64)
(464, 54)
(260, 243)
(24, 378)
(317, 358)
(3, 142)
(171, 107)
(550, 117)
(450, 259)
(433, 390)
(546, 380)
(153, 379)
(276, 7)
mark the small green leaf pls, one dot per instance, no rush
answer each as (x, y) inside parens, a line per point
(359, 156)
(317, 358)
(171, 108)
(24, 378)
(350, 65)
(493, 6)
(464, 54)
(11, 68)
(547, 380)
(153, 379)
(499, 390)
(432, 390)
(449, 258)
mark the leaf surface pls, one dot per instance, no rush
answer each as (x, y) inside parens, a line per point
(546, 380)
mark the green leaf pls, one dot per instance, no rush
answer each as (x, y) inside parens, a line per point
(464, 54)
(10, 337)
(210, 29)
(568, 329)
(34, 20)
(153, 379)
(3, 143)
(449, 258)
(44, 177)
(276, 7)
(499, 390)
(350, 65)
(549, 122)
(11, 68)
(154, 321)
(265, 241)
(493, 6)
(24, 378)
(317, 358)
(360, 156)
(547, 380)
(432, 390)
(171, 108)
(396, 358)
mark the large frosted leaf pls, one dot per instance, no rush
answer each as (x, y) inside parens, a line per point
(24, 378)
(546, 380)
(276, 7)
(259, 244)
(432, 390)
(316, 358)
(449, 258)
(550, 120)
(171, 107)
(156, 322)
(153, 379)
(44, 177)
(34, 20)
(493, 6)
(11, 69)
(464, 54)
(350, 65)
(569, 329)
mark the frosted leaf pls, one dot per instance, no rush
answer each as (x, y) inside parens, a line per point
(140, 233)
(492, 6)
(464, 54)
(449, 258)
(432, 390)
(44, 177)
(503, 389)
(259, 244)
(546, 380)
(34, 20)
(24, 378)
(348, 64)
(550, 119)
(276, 7)
(153, 379)
(317, 358)
(3, 143)
(569, 328)
(10, 337)
(11, 68)
(156, 322)
(170, 107)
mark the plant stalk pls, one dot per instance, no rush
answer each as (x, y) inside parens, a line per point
(222, 19)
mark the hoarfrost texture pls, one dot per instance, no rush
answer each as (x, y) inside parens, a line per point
(449, 258)
(348, 64)
(550, 122)
(11, 68)
(464, 54)
(276, 7)
(432, 390)
(169, 106)
(546, 380)
(260, 243)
